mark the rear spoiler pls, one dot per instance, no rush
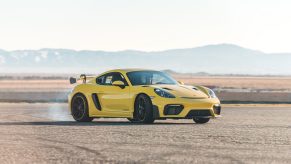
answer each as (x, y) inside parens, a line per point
(82, 77)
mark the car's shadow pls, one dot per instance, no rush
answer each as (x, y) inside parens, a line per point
(95, 123)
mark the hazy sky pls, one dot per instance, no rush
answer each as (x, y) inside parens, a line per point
(144, 24)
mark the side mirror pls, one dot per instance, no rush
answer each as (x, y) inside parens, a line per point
(118, 83)
(181, 82)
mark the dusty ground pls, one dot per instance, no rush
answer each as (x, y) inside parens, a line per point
(255, 83)
(34, 85)
(230, 89)
(44, 133)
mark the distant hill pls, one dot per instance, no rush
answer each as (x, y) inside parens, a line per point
(213, 59)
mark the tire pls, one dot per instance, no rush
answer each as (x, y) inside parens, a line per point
(79, 108)
(132, 120)
(143, 110)
(198, 120)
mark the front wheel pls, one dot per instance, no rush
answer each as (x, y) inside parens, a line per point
(143, 112)
(200, 120)
(79, 108)
(132, 120)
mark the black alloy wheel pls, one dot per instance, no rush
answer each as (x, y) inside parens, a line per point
(79, 108)
(143, 112)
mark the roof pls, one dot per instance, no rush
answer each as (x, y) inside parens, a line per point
(130, 70)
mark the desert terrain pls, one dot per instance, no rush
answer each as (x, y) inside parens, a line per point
(36, 126)
(230, 89)
(272, 83)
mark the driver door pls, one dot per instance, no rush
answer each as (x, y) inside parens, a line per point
(114, 100)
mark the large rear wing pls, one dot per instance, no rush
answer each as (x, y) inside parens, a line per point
(82, 77)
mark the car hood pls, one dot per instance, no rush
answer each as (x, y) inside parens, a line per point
(183, 91)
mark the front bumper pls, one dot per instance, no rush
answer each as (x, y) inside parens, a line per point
(186, 108)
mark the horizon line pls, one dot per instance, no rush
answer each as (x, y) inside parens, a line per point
(147, 51)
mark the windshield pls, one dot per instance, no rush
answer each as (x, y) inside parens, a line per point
(150, 78)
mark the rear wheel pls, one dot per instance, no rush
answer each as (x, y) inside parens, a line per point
(200, 120)
(143, 112)
(79, 108)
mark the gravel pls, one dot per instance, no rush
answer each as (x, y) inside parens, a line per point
(45, 133)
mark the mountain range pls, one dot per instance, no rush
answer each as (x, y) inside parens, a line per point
(213, 59)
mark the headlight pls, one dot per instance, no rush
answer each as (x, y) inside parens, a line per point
(163, 93)
(211, 93)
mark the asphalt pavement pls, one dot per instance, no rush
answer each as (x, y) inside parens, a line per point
(46, 133)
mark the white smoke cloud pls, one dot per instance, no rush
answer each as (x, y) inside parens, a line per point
(59, 112)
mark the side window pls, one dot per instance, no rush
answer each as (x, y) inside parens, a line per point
(119, 77)
(107, 79)
(100, 80)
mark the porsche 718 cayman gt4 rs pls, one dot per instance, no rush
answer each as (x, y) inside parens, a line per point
(141, 96)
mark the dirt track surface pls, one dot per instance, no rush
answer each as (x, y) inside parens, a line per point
(45, 133)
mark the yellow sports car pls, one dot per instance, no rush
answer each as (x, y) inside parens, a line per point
(141, 96)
